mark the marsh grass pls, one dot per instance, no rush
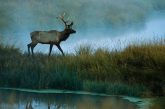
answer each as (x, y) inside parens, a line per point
(137, 70)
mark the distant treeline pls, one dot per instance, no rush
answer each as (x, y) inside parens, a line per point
(137, 70)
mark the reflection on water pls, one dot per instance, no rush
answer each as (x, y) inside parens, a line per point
(23, 100)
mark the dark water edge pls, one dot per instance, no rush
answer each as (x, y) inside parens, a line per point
(14, 99)
(158, 103)
(148, 103)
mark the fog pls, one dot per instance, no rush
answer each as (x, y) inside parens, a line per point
(93, 19)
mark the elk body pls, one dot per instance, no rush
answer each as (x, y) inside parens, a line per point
(52, 37)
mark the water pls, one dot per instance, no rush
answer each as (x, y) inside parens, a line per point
(22, 100)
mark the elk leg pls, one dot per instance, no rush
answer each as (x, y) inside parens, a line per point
(50, 49)
(58, 46)
(29, 49)
(32, 47)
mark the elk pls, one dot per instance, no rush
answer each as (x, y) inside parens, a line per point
(52, 37)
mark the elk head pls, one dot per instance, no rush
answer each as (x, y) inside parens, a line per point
(68, 27)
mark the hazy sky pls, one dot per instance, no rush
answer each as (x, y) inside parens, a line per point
(19, 17)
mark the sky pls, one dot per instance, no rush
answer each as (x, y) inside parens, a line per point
(20, 17)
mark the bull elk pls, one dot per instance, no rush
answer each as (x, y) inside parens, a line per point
(52, 37)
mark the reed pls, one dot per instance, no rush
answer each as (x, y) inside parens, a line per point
(137, 70)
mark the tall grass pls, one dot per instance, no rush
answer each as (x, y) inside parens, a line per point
(137, 70)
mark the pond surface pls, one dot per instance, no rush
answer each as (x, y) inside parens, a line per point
(28, 100)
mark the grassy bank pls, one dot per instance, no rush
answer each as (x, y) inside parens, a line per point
(138, 70)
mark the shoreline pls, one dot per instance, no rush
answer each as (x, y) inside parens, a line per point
(57, 91)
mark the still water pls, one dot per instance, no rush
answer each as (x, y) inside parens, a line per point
(27, 100)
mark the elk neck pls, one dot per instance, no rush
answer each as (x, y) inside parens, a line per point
(64, 35)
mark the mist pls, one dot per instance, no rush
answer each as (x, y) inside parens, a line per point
(93, 19)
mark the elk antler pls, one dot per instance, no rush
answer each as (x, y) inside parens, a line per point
(70, 25)
(65, 21)
(62, 19)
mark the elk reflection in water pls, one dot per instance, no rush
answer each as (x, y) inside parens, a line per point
(29, 106)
